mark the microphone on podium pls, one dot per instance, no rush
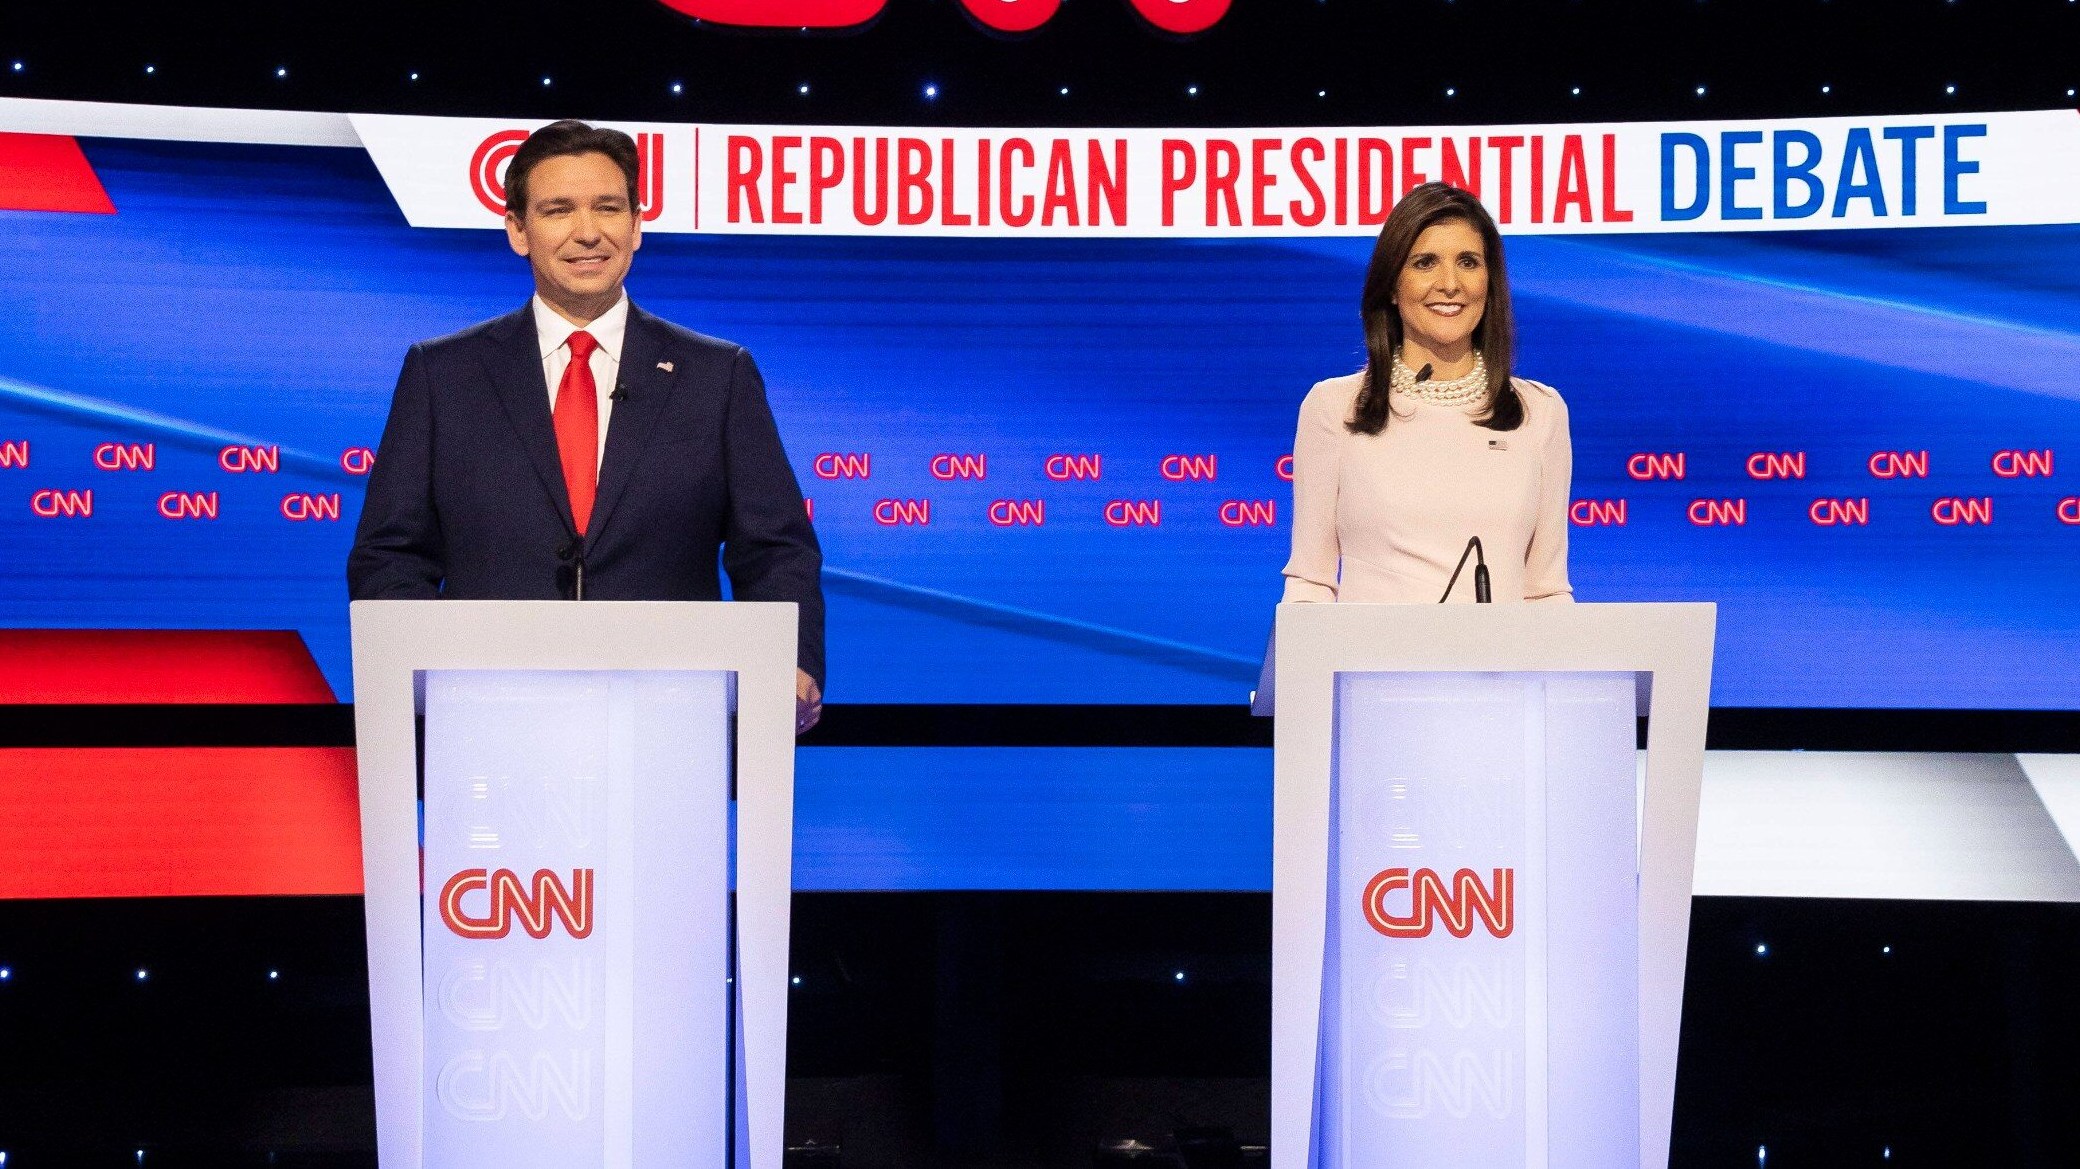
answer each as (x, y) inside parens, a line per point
(1482, 593)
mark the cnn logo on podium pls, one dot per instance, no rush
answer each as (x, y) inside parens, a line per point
(1432, 900)
(537, 904)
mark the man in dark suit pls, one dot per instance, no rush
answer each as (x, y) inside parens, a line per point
(581, 447)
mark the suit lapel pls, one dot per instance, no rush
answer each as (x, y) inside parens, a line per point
(514, 360)
(645, 356)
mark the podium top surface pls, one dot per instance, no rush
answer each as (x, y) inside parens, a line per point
(572, 635)
(1627, 637)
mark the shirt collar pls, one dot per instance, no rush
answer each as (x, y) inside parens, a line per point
(553, 332)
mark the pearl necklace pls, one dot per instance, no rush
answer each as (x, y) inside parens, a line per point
(1466, 390)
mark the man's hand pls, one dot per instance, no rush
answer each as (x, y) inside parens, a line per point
(808, 702)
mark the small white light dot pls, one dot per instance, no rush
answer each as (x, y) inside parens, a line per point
(1451, 91)
(1950, 89)
(678, 87)
(1190, 90)
(415, 77)
(279, 71)
(1700, 91)
(1885, 950)
(2070, 92)
(150, 69)
(1576, 91)
(1065, 91)
(803, 90)
(548, 81)
(931, 91)
(1761, 1154)
(1762, 948)
(1178, 976)
(1321, 93)
(273, 975)
(6, 972)
(1827, 89)
(1888, 1152)
(796, 980)
(143, 974)
(20, 65)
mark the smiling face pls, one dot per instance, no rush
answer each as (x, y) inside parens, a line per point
(1442, 292)
(579, 233)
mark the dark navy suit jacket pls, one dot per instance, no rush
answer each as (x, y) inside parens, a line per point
(467, 497)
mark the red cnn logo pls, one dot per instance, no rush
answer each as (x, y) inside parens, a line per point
(535, 908)
(960, 466)
(1431, 901)
(834, 465)
(1596, 513)
(1646, 466)
(357, 460)
(1178, 468)
(259, 460)
(1777, 465)
(1013, 16)
(14, 453)
(126, 456)
(1899, 465)
(487, 171)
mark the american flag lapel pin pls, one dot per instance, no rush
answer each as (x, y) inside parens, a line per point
(665, 366)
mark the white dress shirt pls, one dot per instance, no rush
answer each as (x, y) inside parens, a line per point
(554, 333)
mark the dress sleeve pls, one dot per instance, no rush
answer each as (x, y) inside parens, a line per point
(1318, 445)
(1545, 563)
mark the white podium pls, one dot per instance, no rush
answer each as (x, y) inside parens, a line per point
(577, 940)
(1480, 900)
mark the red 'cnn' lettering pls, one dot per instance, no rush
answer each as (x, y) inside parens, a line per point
(1178, 468)
(239, 460)
(301, 506)
(960, 466)
(357, 460)
(1899, 465)
(1952, 511)
(1018, 513)
(1249, 513)
(1773, 465)
(2069, 510)
(911, 512)
(1432, 901)
(1645, 466)
(1829, 513)
(188, 505)
(1718, 513)
(126, 456)
(832, 465)
(1134, 513)
(537, 908)
(1283, 468)
(1062, 468)
(14, 453)
(66, 504)
(1597, 513)
(2022, 464)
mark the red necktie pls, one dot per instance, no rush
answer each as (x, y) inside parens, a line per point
(577, 428)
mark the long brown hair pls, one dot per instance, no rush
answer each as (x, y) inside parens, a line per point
(1495, 335)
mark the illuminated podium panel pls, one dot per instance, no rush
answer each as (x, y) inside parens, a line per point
(569, 813)
(1480, 903)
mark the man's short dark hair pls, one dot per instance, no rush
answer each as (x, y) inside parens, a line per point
(568, 137)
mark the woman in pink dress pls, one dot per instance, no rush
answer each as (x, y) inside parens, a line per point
(1396, 466)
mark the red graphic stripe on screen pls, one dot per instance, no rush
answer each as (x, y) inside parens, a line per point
(48, 172)
(158, 665)
(179, 822)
